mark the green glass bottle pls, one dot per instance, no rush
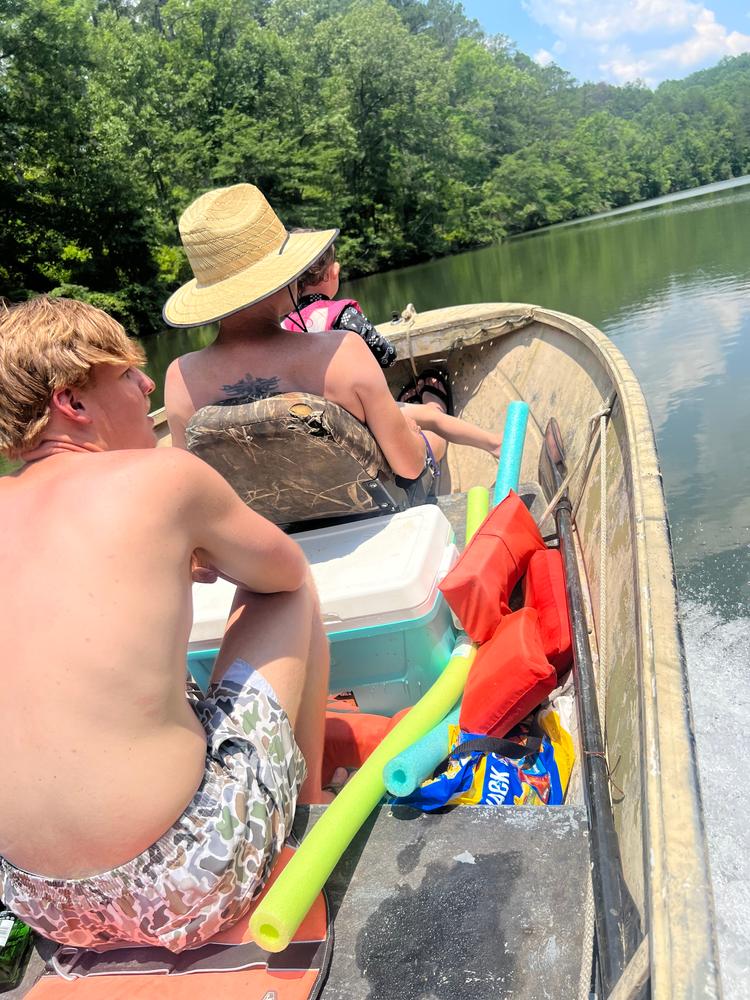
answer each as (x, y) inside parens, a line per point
(15, 947)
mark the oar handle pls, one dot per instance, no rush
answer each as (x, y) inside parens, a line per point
(616, 917)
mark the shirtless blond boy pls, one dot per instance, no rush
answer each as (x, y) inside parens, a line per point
(135, 810)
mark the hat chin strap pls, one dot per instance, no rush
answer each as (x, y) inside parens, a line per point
(300, 322)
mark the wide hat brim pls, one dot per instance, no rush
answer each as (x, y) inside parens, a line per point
(195, 305)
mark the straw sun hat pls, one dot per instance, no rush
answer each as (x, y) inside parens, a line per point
(239, 252)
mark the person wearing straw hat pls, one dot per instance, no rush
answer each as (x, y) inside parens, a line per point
(245, 265)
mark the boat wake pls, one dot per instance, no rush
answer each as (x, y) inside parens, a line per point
(718, 653)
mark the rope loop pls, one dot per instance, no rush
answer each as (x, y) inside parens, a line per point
(605, 412)
(610, 771)
(409, 316)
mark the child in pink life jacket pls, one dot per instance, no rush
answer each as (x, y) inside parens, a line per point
(426, 400)
(318, 310)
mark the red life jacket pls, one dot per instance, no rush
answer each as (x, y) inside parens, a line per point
(544, 590)
(319, 315)
(479, 586)
(509, 677)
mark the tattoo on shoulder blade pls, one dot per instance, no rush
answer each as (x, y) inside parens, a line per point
(248, 390)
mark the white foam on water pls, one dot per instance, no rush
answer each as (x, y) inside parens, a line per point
(718, 660)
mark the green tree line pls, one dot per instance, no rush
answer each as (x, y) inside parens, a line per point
(398, 121)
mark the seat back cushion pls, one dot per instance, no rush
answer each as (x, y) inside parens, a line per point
(292, 457)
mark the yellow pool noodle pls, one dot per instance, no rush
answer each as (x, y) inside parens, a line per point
(283, 909)
(477, 508)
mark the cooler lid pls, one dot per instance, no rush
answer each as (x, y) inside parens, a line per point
(378, 571)
(368, 573)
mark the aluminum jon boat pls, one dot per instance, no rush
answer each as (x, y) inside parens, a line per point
(500, 902)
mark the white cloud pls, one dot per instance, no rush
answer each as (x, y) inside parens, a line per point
(543, 57)
(603, 20)
(684, 35)
(708, 42)
(626, 68)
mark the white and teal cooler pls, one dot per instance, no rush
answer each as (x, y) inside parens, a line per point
(390, 631)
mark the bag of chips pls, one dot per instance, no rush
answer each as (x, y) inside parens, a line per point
(531, 766)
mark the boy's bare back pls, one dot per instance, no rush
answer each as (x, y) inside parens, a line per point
(95, 621)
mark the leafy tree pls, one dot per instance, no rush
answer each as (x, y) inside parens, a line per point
(397, 120)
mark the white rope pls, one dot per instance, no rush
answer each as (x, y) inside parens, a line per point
(587, 946)
(600, 414)
(409, 316)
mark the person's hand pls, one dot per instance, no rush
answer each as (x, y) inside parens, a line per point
(201, 569)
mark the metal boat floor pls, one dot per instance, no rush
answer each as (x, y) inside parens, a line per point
(474, 902)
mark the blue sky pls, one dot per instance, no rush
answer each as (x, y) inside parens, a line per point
(621, 40)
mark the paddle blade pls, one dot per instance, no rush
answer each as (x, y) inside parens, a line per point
(552, 468)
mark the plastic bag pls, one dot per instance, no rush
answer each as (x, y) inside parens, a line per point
(478, 778)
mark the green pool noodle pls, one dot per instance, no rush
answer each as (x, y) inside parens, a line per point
(477, 508)
(409, 769)
(511, 450)
(282, 910)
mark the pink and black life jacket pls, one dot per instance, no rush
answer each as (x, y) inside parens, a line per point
(319, 315)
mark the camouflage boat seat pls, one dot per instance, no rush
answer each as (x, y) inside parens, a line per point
(296, 457)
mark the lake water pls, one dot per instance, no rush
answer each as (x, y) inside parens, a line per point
(669, 283)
